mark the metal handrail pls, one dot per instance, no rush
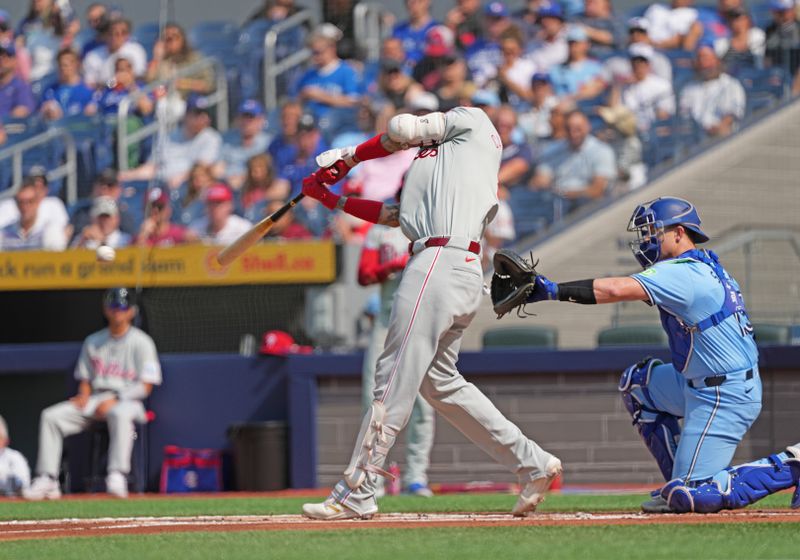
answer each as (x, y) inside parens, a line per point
(218, 98)
(369, 28)
(68, 169)
(273, 68)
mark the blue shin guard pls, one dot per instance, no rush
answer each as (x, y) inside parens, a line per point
(738, 487)
(659, 430)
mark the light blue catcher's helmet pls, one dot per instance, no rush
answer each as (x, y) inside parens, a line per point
(651, 219)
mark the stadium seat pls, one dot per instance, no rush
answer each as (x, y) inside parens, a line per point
(213, 32)
(680, 58)
(146, 34)
(533, 210)
(763, 87)
(766, 333)
(532, 336)
(632, 335)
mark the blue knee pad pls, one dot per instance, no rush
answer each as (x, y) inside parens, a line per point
(736, 487)
(659, 430)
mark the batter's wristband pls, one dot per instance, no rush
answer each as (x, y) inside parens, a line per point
(579, 291)
(369, 210)
(371, 149)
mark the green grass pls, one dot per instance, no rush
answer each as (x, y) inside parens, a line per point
(708, 542)
(19, 510)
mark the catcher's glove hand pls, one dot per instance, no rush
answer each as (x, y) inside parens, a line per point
(515, 282)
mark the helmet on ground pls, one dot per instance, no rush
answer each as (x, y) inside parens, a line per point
(651, 219)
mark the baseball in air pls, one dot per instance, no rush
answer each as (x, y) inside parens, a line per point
(106, 253)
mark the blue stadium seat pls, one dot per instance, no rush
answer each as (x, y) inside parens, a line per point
(146, 34)
(681, 76)
(43, 83)
(763, 87)
(132, 199)
(94, 144)
(680, 58)
(213, 32)
(533, 210)
(761, 15)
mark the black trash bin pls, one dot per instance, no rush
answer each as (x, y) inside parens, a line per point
(259, 455)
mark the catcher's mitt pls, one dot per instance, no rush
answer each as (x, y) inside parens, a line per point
(513, 281)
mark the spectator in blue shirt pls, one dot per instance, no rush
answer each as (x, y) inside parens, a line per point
(283, 148)
(606, 33)
(331, 85)
(579, 77)
(310, 143)
(486, 56)
(412, 32)
(97, 18)
(70, 95)
(247, 141)
(16, 98)
(516, 161)
(123, 84)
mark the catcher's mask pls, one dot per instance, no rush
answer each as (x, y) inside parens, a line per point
(650, 220)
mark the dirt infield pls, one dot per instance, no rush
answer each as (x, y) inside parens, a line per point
(29, 530)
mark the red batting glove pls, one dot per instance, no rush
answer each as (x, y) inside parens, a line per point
(333, 173)
(312, 188)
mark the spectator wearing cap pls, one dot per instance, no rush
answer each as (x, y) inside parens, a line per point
(486, 56)
(193, 142)
(16, 97)
(51, 208)
(439, 52)
(618, 69)
(247, 141)
(394, 86)
(261, 182)
(580, 77)
(310, 143)
(30, 230)
(527, 19)
(465, 19)
(783, 36)
(516, 160)
(649, 97)
(391, 50)
(157, 230)
(104, 229)
(581, 172)
(745, 46)
(171, 54)
(105, 184)
(456, 88)
(331, 86)
(535, 121)
(220, 226)
(412, 32)
(99, 64)
(549, 46)
(715, 101)
(606, 33)
(622, 137)
(283, 147)
(70, 95)
(674, 27)
(515, 73)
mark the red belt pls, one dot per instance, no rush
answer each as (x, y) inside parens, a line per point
(474, 246)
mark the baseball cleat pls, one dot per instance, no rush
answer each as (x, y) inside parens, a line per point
(331, 510)
(657, 504)
(419, 489)
(42, 488)
(117, 484)
(533, 493)
(795, 451)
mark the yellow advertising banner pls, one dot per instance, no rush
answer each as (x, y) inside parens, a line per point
(296, 262)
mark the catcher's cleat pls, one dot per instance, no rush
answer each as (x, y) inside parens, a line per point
(657, 504)
(533, 493)
(331, 510)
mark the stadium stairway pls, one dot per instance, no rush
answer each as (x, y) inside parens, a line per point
(745, 185)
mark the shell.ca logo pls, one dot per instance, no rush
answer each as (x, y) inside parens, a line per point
(213, 266)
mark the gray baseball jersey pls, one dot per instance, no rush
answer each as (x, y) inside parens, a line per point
(451, 188)
(112, 364)
(390, 243)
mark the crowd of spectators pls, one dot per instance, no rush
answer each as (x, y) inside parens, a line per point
(575, 90)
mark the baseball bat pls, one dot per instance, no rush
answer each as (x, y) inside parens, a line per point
(252, 236)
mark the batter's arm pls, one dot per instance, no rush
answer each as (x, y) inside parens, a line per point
(390, 215)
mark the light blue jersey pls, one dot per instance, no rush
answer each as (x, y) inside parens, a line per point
(690, 291)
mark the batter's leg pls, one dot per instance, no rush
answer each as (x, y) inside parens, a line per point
(373, 352)
(419, 440)
(57, 422)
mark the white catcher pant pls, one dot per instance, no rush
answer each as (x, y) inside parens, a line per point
(437, 299)
(65, 419)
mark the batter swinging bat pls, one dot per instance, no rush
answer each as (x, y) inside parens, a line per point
(252, 236)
